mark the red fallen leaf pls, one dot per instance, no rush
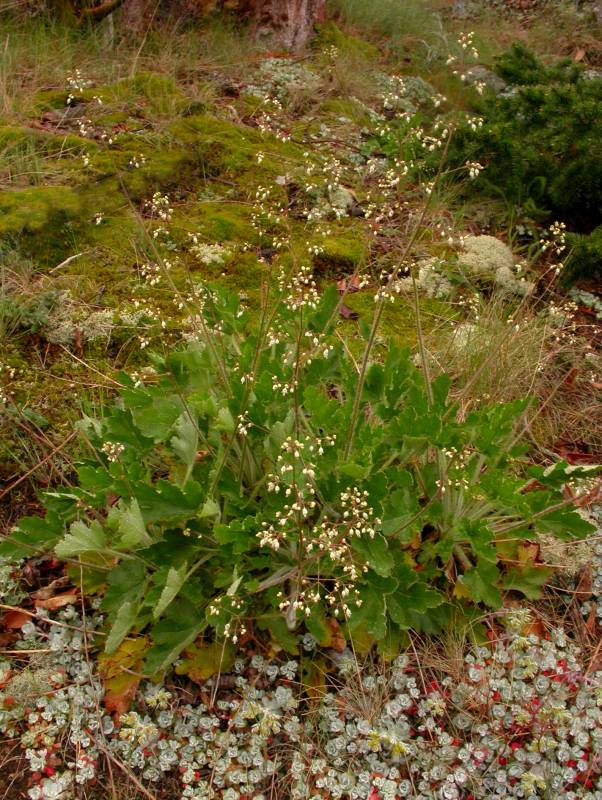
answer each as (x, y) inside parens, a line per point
(120, 685)
(570, 379)
(118, 702)
(573, 454)
(59, 600)
(7, 678)
(535, 627)
(15, 619)
(349, 285)
(589, 312)
(585, 584)
(597, 385)
(337, 640)
(590, 622)
(596, 662)
(348, 313)
(533, 486)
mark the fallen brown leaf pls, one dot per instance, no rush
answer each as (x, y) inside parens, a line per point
(15, 619)
(590, 623)
(49, 591)
(585, 584)
(348, 313)
(59, 600)
(349, 285)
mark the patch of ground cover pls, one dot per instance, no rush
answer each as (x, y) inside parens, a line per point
(350, 727)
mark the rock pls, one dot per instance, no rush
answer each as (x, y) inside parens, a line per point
(462, 9)
(467, 337)
(406, 94)
(492, 81)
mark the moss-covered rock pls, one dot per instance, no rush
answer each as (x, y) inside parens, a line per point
(330, 35)
(33, 209)
(342, 251)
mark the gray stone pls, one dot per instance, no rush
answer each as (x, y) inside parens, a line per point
(488, 77)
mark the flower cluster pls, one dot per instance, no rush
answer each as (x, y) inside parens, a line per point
(76, 84)
(112, 450)
(301, 290)
(159, 206)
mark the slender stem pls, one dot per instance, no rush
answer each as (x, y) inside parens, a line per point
(380, 309)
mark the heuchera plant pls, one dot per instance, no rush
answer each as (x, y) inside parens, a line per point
(265, 482)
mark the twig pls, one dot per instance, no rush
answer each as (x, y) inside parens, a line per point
(47, 619)
(68, 261)
(124, 769)
(24, 477)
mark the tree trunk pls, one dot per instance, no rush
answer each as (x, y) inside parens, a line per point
(135, 15)
(288, 23)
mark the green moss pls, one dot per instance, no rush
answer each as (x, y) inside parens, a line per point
(31, 210)
(330, 35)
(19, 141)
(398, 321)
(165, 170)
(343, 251)
(11, 135)
(160, 93)
(244, 274)
(349, 108)
(112, 118)
(226, 147)
(50, 99)
(222, 222)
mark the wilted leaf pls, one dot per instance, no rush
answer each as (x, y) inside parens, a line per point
(15, 619)
(59, 600)
(201, 661)
(119, 672)
(348, 313)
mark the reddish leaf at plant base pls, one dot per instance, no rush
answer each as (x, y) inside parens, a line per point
(15, 619)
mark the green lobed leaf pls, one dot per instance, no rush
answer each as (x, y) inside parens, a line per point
(82, 539)
(122, 624)
(527, 580)
(173, 583)
(179, 628)
(127, 520)
(185, 442)
(482, 583)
